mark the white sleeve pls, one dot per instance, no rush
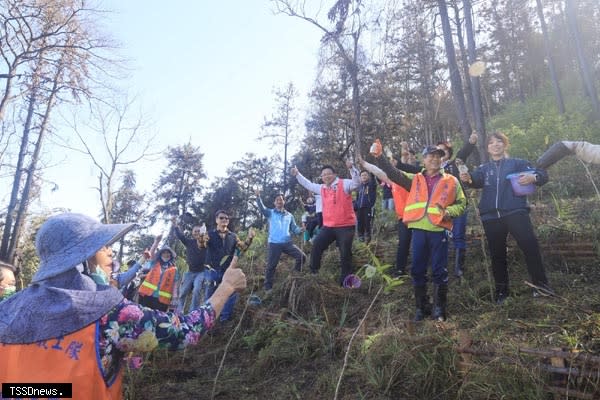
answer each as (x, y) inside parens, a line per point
(350, 185)
(308, 185)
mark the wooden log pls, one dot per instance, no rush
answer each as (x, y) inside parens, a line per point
(570, 393)
(571, 357)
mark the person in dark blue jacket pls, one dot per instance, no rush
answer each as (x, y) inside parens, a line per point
(503, 212)
(364, 205)
(222, 245)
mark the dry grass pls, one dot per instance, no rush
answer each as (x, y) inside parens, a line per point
(293, 345)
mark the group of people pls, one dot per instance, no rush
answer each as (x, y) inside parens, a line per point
(430, 205)
(74, 313)
(64, 318)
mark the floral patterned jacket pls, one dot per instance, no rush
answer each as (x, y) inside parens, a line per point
(130, 327)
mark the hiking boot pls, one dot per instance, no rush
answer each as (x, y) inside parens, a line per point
(398, 273)
(459, 262)
(419, 315)
(501, 298)
(438, 314)
(420, 302)
(440, 301)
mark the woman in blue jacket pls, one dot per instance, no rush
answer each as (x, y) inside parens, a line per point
(503, 212)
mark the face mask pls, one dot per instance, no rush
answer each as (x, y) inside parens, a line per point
(165, 258)
(99, 277)
(8, 291)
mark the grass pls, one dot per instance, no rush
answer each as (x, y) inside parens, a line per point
(295, 345)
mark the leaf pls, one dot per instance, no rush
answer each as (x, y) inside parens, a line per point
(370, 271)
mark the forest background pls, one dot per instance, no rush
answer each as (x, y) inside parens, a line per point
(393, 70)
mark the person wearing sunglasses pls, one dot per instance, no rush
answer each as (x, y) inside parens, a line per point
(221, 246)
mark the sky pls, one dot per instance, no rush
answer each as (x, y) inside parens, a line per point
(204, 72)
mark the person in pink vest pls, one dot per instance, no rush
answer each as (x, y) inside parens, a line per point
(339, 219)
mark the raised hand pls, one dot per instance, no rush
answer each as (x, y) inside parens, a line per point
(473, 138)
(376, 148)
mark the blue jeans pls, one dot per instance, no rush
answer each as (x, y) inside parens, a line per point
(192, 282)
(429, 246)
(211, 282)
(387, 204)
(459, 230)
(274, 254)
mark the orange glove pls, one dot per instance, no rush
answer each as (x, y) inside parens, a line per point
(376, 148)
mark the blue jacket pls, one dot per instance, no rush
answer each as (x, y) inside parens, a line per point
(497, 198)
(367, 194)
(281, 224)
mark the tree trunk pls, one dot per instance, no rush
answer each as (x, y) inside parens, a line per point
(24, 203)
(475, 82)
(285, 157)
(502, 54)
(7, 88)
(586, 72)
(555, 85)
(464, 59)
(455, 79)
(16, 186)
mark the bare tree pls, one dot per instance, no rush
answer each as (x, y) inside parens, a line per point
(279, 127)
(345, 15)
(455, 79)
(475, 81)
(124, 140)
(50, 50)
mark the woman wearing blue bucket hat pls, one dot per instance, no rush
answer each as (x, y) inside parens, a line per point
(503, 209)
(66, 328)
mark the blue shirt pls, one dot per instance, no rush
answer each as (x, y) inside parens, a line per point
(281, 224)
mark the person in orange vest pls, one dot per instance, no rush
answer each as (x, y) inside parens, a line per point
(399, 195)
(64, 328)
(339, 219)
(159, 289)
(434, 198)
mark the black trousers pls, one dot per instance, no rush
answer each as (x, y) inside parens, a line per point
(363, 216)
(520, 228)
(343, 237)
(404, 238)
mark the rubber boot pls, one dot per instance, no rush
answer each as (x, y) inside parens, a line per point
(440, 300)
(459, 262)
(420, 300)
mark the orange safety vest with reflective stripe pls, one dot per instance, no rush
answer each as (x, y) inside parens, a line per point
(399, 194)
(337, 206)
(153, 279)
(419, 203)
(68, 359)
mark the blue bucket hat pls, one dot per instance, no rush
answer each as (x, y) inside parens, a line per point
(66, 240)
